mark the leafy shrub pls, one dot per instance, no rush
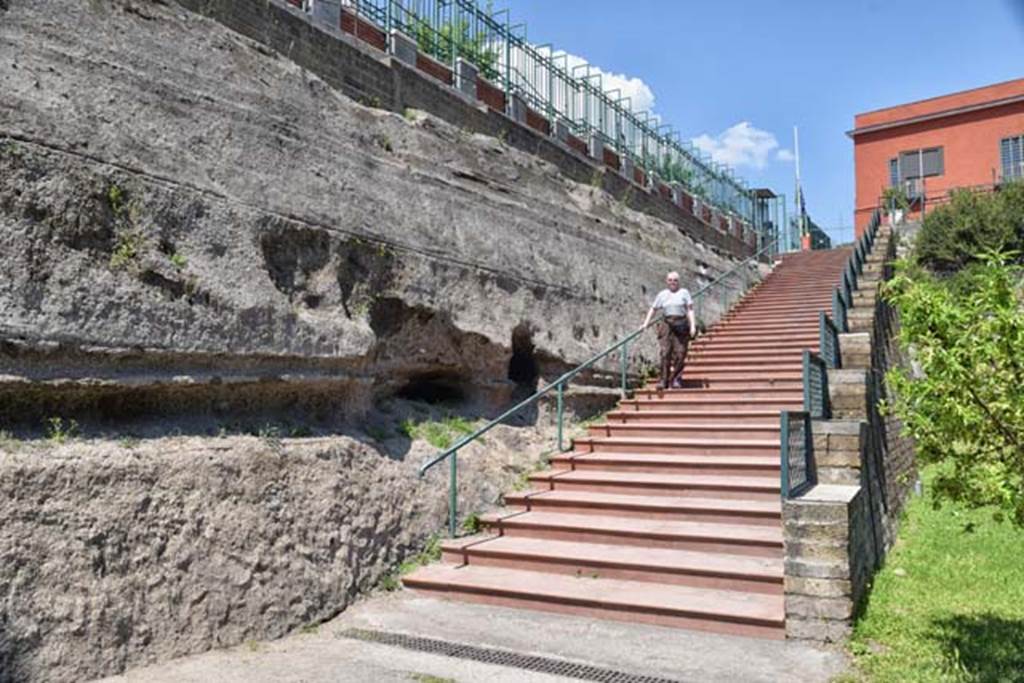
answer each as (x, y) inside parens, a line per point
(972, 223)
(965, 404)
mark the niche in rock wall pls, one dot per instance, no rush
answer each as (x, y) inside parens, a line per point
(434, 388)
(522, 366)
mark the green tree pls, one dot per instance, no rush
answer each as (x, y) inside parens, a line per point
(972, 223)
(964, 405)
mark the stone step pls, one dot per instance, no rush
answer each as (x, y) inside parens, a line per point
(720, 611)
(722, 465)
(609, 561)
(651, 525)
(745, 487)
(676, 446)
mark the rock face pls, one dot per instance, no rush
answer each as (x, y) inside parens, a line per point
(112, 556)
(189, 223)
(177, 201)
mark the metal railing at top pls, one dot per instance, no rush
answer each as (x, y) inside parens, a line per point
(799, 472)
(558, 387)
(560, 87)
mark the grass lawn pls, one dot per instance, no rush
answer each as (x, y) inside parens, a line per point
(949, 604)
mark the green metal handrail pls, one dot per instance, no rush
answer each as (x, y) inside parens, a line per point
(558, 385)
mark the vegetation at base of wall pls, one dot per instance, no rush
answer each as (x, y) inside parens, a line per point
(972, 223)
(431, 553)
(59, 430)
(127, 250)
(963, 401)
(441, 434)
(949, 604)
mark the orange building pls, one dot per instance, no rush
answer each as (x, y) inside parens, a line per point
(966, 139)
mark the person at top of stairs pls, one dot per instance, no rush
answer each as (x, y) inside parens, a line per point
(675, 330)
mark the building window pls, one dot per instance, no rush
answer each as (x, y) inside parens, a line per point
(1011, 156)
(921, 162)
(894, 172)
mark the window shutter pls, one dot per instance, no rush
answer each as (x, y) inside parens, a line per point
(932, 159)
(909, 165)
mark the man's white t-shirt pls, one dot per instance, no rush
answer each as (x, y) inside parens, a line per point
(673, 303)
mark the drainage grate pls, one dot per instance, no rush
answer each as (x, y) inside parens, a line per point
(545, 665)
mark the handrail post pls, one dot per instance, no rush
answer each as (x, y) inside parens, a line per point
(453, 492)
(561, 415)
(625, 353)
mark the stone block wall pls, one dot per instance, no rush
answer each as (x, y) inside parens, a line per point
(838, 532)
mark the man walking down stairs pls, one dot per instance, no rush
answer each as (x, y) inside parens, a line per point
(669, 512)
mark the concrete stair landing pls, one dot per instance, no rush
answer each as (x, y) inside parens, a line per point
(668, 512)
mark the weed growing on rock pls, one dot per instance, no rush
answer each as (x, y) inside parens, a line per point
(409, 114)
(370, 101)
(472, 524)
(429, 678)
(117, 200)
(384, 142)
(126, 251)
(178, 260)
(59, 431)
(431, 553)
(438, 434)
(597, 180)
(128, 442)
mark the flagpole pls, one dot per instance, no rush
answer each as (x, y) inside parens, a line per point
(798, 194)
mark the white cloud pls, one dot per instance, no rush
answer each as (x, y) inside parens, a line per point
(785, 156)
(640, 94)
(742, 145)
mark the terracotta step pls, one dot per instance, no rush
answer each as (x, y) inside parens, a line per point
(696, 376)
(691, 416)
(785, 394)
(745, 487)
(599, 560)
(756, 361)
(719, 611)
(707, 403)
(721, 465)
(711, 354)
(751, 346)
(676, 446)
(651, 525)
(705, 430)
(704, 381)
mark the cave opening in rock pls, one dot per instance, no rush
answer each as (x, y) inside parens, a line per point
(434, 388)
(522, 367)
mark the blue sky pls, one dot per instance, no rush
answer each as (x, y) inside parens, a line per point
(714, 65)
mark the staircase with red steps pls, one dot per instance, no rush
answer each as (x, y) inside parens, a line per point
(670, 511)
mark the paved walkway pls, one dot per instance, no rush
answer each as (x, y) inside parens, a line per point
(329, 655)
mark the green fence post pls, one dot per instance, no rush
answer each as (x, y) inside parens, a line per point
(453, 493)
(561, 414)
(625, 351)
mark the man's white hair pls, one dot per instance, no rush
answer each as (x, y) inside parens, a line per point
(671, 275)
